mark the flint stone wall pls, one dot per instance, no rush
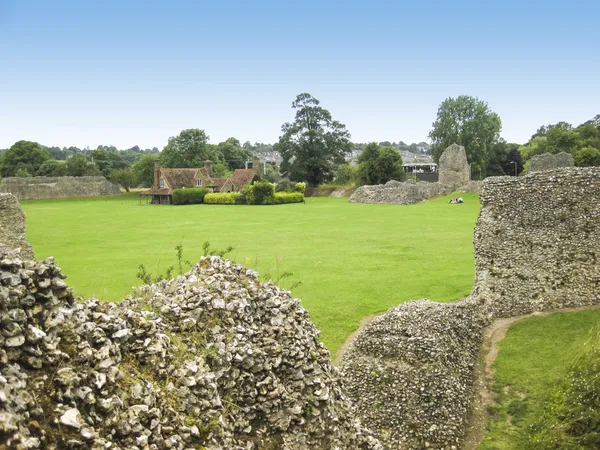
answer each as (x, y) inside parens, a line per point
(409, 373)
(43, 188)
(537, 242)
(12, 226)
(408, 192)
(213, 359)
(547, 161)
(454, 168)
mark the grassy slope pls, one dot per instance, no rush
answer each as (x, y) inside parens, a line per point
(533, 356)
(353, 259)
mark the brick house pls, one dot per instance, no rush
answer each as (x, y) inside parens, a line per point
(167, 180)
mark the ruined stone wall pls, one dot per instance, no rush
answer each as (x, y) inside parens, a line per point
(537, 242)
(214, 359)
(410, 371)
(547, 161)
(454, 167)
(12, 226)
(42, 188)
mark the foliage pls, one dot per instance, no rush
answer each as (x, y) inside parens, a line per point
(225, 198)
(378, 165)
(313, 145)
(26, 155)
(513, 162)
(496, 159)
(571, 417)
(190, 196)
(124, 177)
(262, 193)
(346, 174)
(300, 187)
(208, 250)
(469, 122)
(143, 170)
(288, 197)
(22, 173)
(563, 137)
(587, 156)
(285, 185)
(108, 161)
(234, 155)
(53, 168)
(189, 149)
(80, 165)
(146, 277)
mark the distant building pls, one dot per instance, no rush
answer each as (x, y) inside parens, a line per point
(167, 180)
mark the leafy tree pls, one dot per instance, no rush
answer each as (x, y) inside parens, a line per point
(53, 168)
(22, 173)
(469, 122)
(108, 160)
(80, 165)
(57, 153)
(346, 174)
(124, 177)
(378, 165)
(588, 156)
(496, 157)
(189, 149)
(513, 158)
(23, 154)
(535, 146)
(314, 144)
(234, 154)
(143, 170)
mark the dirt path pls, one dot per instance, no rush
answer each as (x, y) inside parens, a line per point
(337, 359)
(484, 373)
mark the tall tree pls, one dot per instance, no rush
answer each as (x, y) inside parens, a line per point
(378, 165)
(189, 149)
(513, 164)
(143, 170)
(314, 144)
(234, 154)
(26, 155)
(469, 122)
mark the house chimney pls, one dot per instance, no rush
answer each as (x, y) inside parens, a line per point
(156, 173)
(208, 166)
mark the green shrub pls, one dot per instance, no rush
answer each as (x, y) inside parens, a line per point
(225, 198)
(288, 197)
(189, 196)
(300, 187)
(264, 193)
(285, 185)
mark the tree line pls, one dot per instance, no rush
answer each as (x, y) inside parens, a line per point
(313, 148)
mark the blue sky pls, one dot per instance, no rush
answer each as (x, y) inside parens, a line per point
(87, 73)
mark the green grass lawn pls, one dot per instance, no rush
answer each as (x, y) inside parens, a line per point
(533, 356)
(353, 259)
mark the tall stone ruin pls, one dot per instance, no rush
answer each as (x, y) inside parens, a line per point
(12, 226)
(454, 168)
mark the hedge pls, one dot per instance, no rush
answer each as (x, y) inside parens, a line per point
(288, 197)
(189, 196)
(225, 198)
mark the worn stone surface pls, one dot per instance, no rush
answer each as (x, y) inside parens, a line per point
(454, 168)
(42, 188)
(473, 187)
(537, 242)
(12, 226)
(409, 373)
(547, 161)
(213, 359)
(537, 246)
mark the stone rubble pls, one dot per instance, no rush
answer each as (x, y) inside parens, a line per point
(12, 226)
(213, 359)
(41, 188)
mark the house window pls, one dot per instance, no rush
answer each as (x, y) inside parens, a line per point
(161, 182)
(198, 182)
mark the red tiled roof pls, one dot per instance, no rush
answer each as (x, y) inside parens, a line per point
(242, 177)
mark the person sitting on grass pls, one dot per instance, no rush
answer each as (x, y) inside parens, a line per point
(459, 200)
